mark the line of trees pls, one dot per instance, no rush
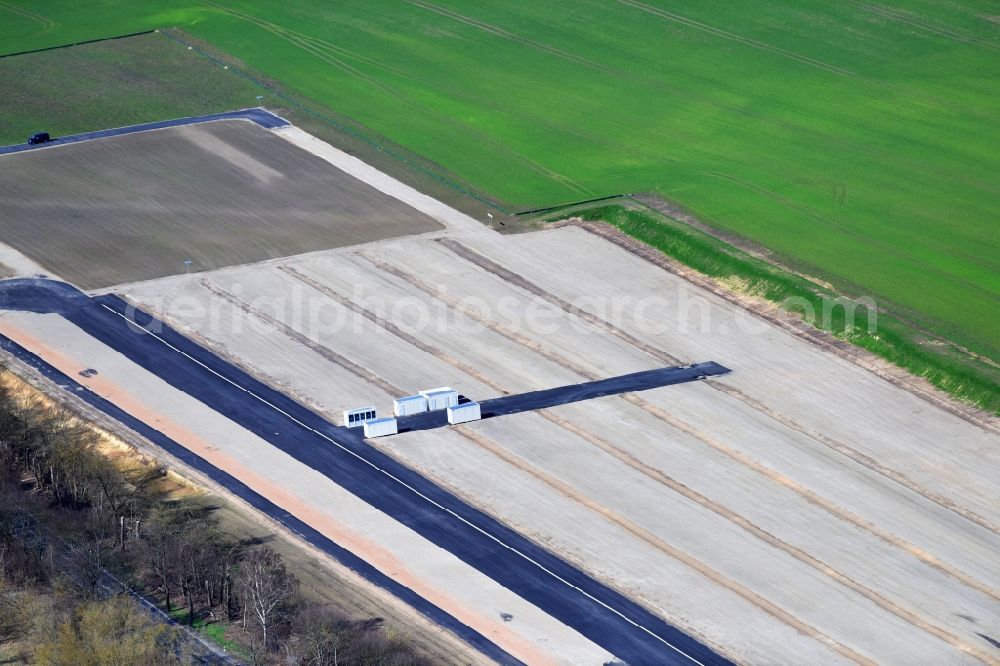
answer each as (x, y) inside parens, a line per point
(71, 518)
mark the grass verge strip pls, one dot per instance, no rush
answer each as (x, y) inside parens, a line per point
(846, 319)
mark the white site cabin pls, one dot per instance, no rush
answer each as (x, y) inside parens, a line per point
(411, 404)
(357, 417)
(464, 413)
(381, 427)
(440, 398)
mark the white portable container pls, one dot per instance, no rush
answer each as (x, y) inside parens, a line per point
(464, 413)
(381, 427)
(357, 417)
(440, 398)
(411, 404)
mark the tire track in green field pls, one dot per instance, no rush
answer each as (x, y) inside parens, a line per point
(646, 82)
(905, 94)
(886, 247)
(747, 41)
(46, 23)
(463, 94)
(657, 85)
(539, 120)
(300, 40)
(500, 32)
(322, 49)
(532, 119)
(365, 67)
(912, 20)
(318, 48)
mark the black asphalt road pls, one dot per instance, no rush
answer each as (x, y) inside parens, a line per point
(606, 617)
(263, 118)
(553, 397)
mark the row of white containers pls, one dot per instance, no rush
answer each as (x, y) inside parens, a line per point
(425, 401)
(434, 399)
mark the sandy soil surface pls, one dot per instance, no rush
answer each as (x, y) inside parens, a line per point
(801, 509)
(13, 263)
(435, 574)
(451, 218)
(135, 207)
(321, 579)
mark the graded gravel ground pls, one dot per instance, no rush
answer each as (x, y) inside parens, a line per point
(321, 579)
(135, 207)
(430, 571)
(799, 510)
(854, 138)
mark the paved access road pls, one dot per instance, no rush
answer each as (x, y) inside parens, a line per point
(553, 397)
(265, 119)
(260, 503)
(609, 619)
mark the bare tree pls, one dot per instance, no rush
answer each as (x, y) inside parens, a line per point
(266, 588)
(86, 564)
(156, 551)
(320, 636)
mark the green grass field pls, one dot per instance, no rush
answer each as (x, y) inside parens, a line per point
(112, 84)
(883, 334)
(857, 141)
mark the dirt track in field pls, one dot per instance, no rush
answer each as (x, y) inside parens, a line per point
(135, 207)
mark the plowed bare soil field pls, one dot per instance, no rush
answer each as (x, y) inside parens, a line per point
(135, 207)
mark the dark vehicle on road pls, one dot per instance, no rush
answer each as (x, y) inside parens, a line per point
(40, 137)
